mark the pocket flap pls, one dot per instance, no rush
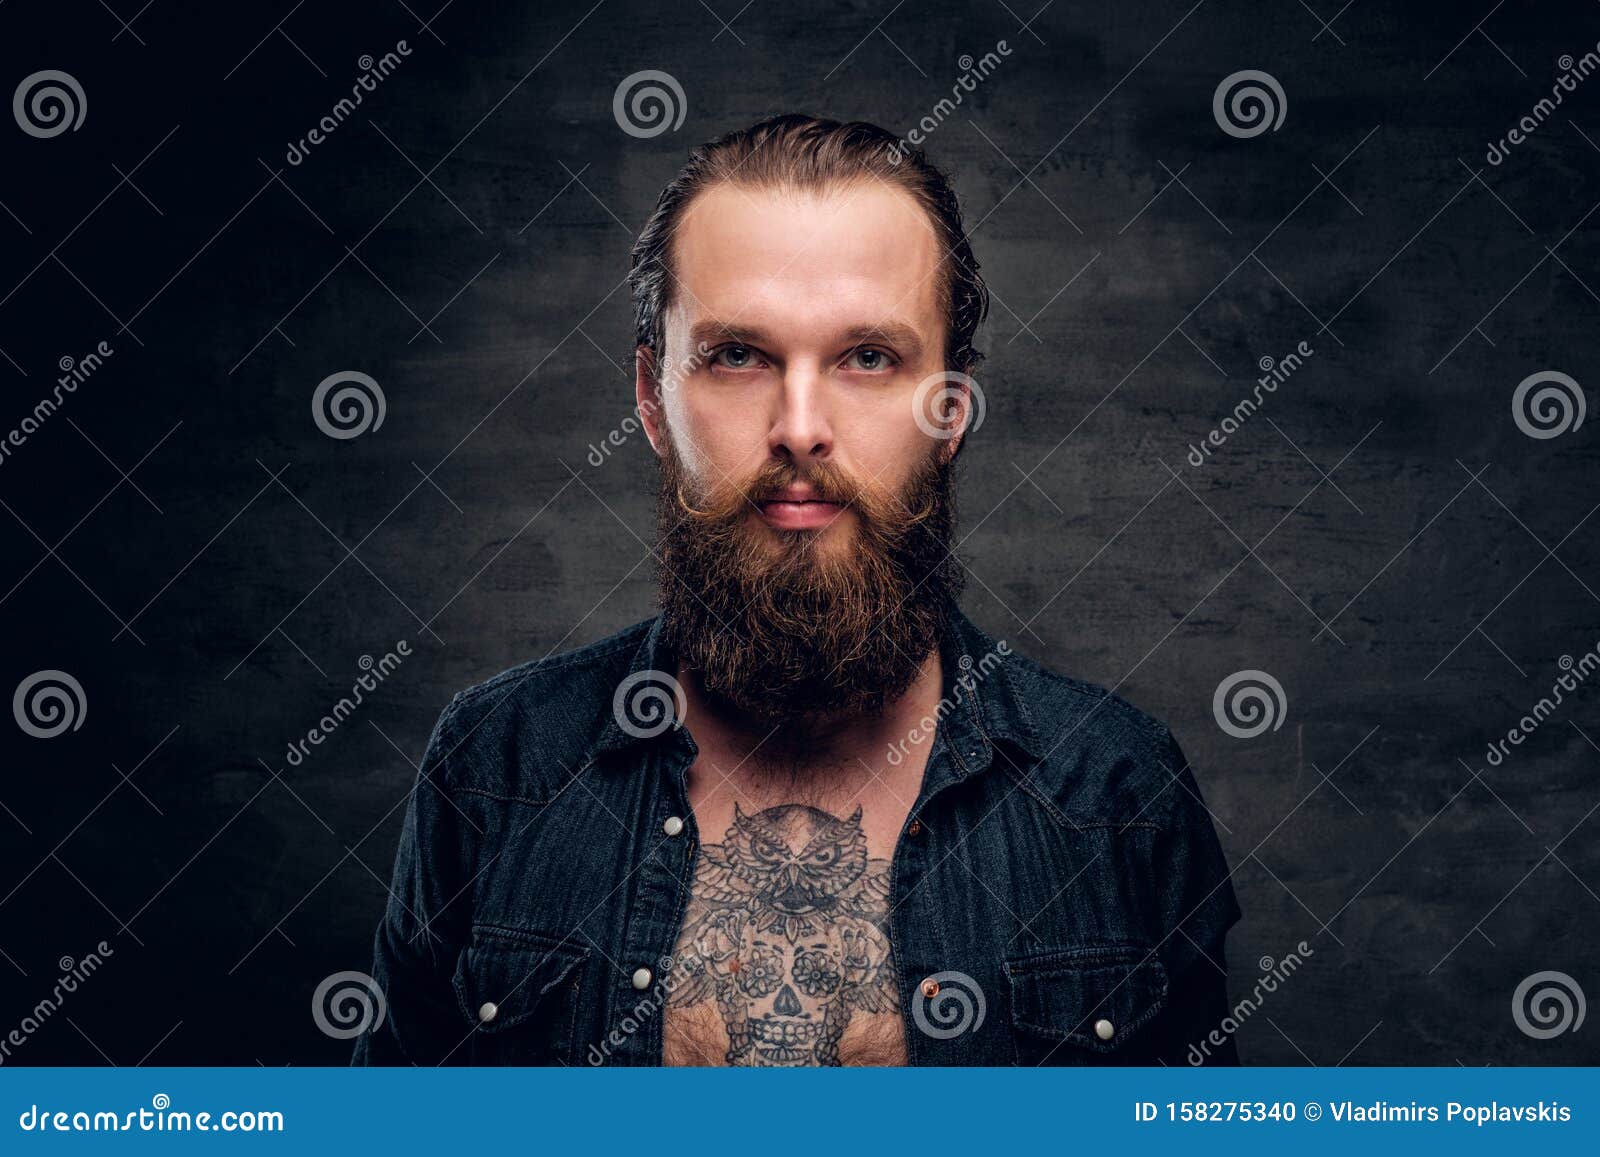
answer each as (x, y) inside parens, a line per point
(1093, 997)
(514, 971)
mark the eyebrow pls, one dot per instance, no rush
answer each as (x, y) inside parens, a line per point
(902, 337)
(892, 333)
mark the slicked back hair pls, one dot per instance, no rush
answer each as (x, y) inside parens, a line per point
(810, 154)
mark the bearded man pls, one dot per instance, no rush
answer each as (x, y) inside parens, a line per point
(809, 814)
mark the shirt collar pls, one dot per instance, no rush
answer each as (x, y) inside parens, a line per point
(983, 699)
(649, 684)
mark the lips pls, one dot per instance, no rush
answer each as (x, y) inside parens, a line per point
(799, 515)
(799, 507)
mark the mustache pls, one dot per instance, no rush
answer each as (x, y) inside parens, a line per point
(726, 504)
(730, 500)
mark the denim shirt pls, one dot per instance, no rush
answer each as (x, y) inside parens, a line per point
(1058, 892)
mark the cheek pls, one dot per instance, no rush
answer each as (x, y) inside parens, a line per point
(717, 434)
(881, 440)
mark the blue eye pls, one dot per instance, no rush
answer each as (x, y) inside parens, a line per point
(734, 357)
(870, 360)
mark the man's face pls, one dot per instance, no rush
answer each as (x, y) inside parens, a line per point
(805, 510)
(800, 328)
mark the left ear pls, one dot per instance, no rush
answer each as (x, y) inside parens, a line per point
(965, 414)
(647, 394)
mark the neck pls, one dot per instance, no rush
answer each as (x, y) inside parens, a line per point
(841, 747)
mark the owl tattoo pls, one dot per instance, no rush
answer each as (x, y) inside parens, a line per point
(788, 931)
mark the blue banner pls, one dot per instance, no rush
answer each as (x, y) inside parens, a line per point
(923, 1111)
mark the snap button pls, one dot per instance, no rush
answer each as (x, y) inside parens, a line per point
(672, 825)
(1104, 1029)
(641, 979)
(930, 988)
(914, 828)
(487, 1011)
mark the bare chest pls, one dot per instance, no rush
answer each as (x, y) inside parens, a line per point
(785, 957)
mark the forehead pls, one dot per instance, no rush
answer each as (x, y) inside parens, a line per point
(797, 262)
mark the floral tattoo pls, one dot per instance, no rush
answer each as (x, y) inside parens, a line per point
(787, 931)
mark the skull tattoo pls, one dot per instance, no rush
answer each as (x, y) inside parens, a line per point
(787, 931)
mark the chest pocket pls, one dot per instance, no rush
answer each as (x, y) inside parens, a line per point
(518, 993)
(1086, 1006)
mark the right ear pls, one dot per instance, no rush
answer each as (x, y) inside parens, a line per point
(647, 395)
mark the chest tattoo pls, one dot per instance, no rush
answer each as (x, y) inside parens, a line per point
(788, 932)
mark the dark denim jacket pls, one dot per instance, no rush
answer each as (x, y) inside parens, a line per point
(1058, 857)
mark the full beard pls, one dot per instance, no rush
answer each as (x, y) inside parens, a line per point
(786, 628)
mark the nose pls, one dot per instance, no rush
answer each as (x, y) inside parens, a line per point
(787, 1003)
(802, 431)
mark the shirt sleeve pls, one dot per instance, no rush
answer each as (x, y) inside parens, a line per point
(415, 948)
(1197, 907)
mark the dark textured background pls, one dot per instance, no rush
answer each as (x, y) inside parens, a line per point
(487, 191)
